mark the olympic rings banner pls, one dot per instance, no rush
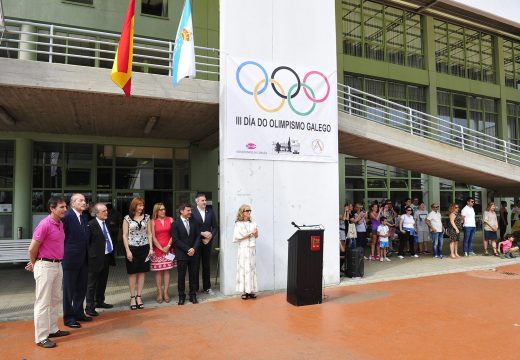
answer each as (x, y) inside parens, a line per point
(280, 111)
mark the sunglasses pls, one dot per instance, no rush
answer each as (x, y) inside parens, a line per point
(408, 210)
(247, 210)
(162, 209)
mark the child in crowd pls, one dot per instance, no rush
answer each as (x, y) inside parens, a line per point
(383, 231)
(507, 247)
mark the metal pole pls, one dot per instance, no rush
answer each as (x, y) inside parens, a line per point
(51, 42)
(410, 119)
(349, 101)
(461, 136)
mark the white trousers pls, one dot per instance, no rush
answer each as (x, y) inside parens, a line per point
(48, 277)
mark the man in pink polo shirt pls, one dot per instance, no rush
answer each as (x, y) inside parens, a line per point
(45, 254)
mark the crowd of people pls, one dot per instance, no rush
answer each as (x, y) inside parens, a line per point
(411, 229)
(70, 255)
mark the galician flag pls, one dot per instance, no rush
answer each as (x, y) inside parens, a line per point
(183, 62)
(122, 68)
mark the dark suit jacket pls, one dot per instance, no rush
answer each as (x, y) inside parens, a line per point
(96, 247)
(182, 241)
(76, 241)
(209, 223)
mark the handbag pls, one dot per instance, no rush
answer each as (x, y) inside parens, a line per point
(351, 233)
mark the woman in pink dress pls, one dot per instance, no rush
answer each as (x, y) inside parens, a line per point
(162, 247)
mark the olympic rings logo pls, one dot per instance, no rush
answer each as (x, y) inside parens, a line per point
(294, 90)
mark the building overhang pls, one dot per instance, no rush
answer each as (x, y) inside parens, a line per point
(377, 142)
(76, 100)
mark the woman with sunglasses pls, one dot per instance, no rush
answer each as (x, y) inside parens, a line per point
(453, 229)
(245, 234)
(137, 238)
(408, 229)
(162, 246)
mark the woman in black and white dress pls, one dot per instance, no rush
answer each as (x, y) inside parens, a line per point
(245, 234)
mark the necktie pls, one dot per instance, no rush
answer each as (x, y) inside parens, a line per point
(187, 224)
(107, 239)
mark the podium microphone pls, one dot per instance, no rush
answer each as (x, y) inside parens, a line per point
(296, 226)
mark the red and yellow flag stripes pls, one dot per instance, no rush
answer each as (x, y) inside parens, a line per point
(122, 68)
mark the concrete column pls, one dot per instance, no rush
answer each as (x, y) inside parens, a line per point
(429, 58)
(434, 190)
(22, 190)
(341, 173)
(501, 80)
(26, 55)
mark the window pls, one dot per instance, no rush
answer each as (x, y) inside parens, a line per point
(6, 188)
(100, 172)
(370, 180)
(474, 112)
(512, 64)
(155, 7)
(513, 122)
(401, 93)
(375, 31)
(464, 52)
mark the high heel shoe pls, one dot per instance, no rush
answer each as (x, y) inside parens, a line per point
(132, 307)
(166, 296)
(159, 297)
(141, 305)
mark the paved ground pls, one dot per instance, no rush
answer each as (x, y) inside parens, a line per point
(465, 315)
(422, 308)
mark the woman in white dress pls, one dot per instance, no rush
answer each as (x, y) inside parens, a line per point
(245, 234)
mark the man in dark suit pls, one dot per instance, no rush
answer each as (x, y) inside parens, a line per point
(186, 240)
(75, 262)
(207, 222)
(100, 257)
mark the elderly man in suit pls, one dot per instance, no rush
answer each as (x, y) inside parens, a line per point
(75, 262)
(100, 257)
(186, 240)
(207, 222)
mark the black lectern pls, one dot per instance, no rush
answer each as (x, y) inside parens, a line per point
(305, 267)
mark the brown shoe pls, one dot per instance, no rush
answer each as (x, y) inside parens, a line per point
(46, 343)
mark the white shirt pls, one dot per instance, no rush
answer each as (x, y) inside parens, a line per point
(515, 211)
(435, 219)
(408, 221)
(382, 230)
(469, 216)
(186, 223)
(100, 222)
(202, 214)
(78, 215)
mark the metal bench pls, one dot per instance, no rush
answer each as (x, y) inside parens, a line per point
(14, 251)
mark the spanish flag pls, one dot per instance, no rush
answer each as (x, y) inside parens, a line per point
(122, 68)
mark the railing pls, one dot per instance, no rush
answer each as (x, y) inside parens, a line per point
(62, 44)
(397, 116)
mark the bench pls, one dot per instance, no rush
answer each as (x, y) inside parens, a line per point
(14, 251)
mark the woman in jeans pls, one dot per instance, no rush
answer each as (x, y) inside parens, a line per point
(407, 228)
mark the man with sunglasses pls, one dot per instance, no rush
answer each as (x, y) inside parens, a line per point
(468, 216)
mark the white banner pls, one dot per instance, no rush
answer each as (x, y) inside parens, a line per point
(280, 111)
